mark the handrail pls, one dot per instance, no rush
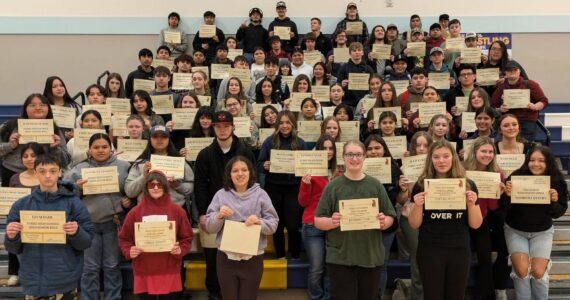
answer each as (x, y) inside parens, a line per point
(106, 73)
(546, 132)
(80, 94)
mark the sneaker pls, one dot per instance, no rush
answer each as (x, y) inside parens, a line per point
(500, 294)
(13, 280)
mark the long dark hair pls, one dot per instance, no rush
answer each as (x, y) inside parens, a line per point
(100, 136)
(228, 183)
(378, 138)
(299, 78)
(6, 130)
(393, 102)
(321, 146)
(504, 55)
(49, 94)
(145, 155)
(277, 135)
(263, 123)
(143, 95)
(551, 167)
(372, 38)
(196, 131)
(35, 147)
(325, 77)
(259, 93)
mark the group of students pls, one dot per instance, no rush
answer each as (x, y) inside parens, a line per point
(232, 178)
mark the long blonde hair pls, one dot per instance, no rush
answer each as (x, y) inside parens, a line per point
(470, 162)
(429, 172)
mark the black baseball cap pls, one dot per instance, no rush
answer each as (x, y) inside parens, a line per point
(222, 117)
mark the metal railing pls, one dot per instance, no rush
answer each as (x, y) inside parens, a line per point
(546, 132)
(106, 73)
(80, 94)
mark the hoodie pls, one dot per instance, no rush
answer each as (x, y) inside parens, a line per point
(289, 45)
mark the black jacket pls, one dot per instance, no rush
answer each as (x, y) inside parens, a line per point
(210, 53)
(323, 44)
(289, 45)
(139, 73)
(252, 36)
(351, 97)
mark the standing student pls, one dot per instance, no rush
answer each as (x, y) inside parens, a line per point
(528, 228)
(162, 77)
(174, 26)
(135, 127)
(240, 62)
(202, 127)
(414, 92)
(374, 83)
(343, 112)
(284, 21)
(511, 142)
(163, 52)
(209, 45)
(141, 104)
(377, 36)
(51, 271)
(188, 100)
(114, 86)
(352, 15)
(353, 257)
(90, 119)
(320, 76)
(445, 26)
(143, 71)
(56, 93)
(498, 58)
(336, 96)
(236, 109)
(241, 200)
(340, 41)
(331, 127)
(393, 36)
(252, 35)
(183, 63)
(322, 42)
(443, 253)
(298, 64)
(356, 64)
(415, 24)
(201, 86)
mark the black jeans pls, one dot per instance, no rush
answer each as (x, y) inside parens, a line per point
(212, 283)
(501, 269)
(284, 199)
(13, 263)
(481, 238)
(239, 279)
(353, 282)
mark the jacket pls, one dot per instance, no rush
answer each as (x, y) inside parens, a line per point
(309, 196)
(289, 45)
(210, 53)
(353, 38)
(139, 73)
(323, 44)
(536, 95)
(252, 36)
(351, 97)
(265, 155)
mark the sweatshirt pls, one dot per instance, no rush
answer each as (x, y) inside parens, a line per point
(289, 45)
(536, 95)
(252, 36)
(309, 196)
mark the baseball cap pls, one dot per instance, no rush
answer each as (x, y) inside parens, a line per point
(159, 129)
(511, 65)
(416, 30)
(435, 49)
(471, 35)
(400, 57)
(351, 4)
(281, 4)
(256, 10)
(391, 25)
(222, 117)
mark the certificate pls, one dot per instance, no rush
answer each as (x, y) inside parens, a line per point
(400, 85)
(42, 227)
(462, 103)
(81, 138)
(242, 127)
(413, 166)
(341, 55)
(328, 111)
(367, 104)
(169, 165)
(297, 99)
(516, 98)
(9, 195)
(63, 117)
(530, 190)
(381, 51)
(183, 118)
(354, 28)
(313, 57)
(239, 238)
(172, 37)
(283, 32)
(208, 240)
(195, 145)
(439, 81)
(379, 168)
(377, 111)
(169, 64)
(428, 110)
(243, 74)
(510, 162)
(162, 104)
(220, 71)
(156, 236)
(282, 161)
(455, 45)
(339, 159)
(309, 131)
(311, 162)
(119, 106)
(445, 194)
(206, 70)
(264, 133)
(467, 147)
(486, 77)
(359, 214)
(358, 81)
(470, 55)
(119, 124)
(182, 81)
(100, 180)
(258, 108)
(232, 53)
(35, 130)
(417, 49)
(468, 121)
(414, 106)
(397, 145)
(350, 130)
(289, 80)
(207, 31)
(488, 183)
(143, 84)
(205, 100)
(104, 110)
(130, 149)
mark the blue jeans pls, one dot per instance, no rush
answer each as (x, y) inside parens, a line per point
(103, 254)
(534, 244)
(387, 240)
(314, 241)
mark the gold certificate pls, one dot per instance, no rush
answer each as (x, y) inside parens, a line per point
(34, 130)
(339, 159)
(207, 31)
(42, 227)
(100, 180)
(183, 118)
(414, 106)
(530, 190)
(162, 104)
(205, 100)
(379, 168)
(206, 70)
(470, 55)
(359, 214)
(239, 238)
(311, 58)
(461, 103)
(172, 37)
(377, 111)
(289, 80)
(119, 124)
(143, 85)
(169, 64)
(311, 162)
(283, 32)
(157, 236)
(258, 108)
(104, 110)
(428, 110)
(486, 77)
(341, 55)
(381, 51)
(467, 147)
(208, 240)
(445, 194)
(350, 130)
(63, 117)
(354, 28)
(358, 81)
(488, 183)
(468, 121)
(413, 166)
(119, 106)
(282, 161)
(264, 133)
(417, 49)
(182, 81)
(309, 131)
(510, 162)
(130, 149)
(400, 85)
(321, 92)
(439, 81)
(232, 53)
(220, 71)
(516, 98)
(81, 138)
(297, 99)
(170, 166)
(9, 195)
(328, 111)
(367, 104)
(195, 145)
(242, 127)
(455, 45)
(397, 145)
(242, 74)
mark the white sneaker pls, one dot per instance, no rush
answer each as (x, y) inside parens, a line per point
(13, 280)
(500, 294)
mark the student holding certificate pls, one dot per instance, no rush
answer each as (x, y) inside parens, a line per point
(331, 127)
(511, 142)
(336, 96)
(354, 257)
(143, 72)
(234, 88)
(106, 210)
(141, 104)
(209, 44)
(352, 16)
(443, 252)
(429, 95)
(528, 229)
(268, 117)
(177, 46)
(114, 86)
(241, 200)
(188, 100)
(237, 109)
(156, 274)
(90, 119)
(135, 127)
(374, 83)
(57, 94)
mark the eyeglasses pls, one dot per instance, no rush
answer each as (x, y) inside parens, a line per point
(353, 155)
(152, 185)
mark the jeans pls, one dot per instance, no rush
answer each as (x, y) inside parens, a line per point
(535, 244)
(528, 130)
(411, 239)
(103, 254)
(387, 240)
(319, 283)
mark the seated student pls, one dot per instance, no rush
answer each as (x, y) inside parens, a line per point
(284, 21)
(355, 64)
(428, 96)
(163, 52)
(252, 35)
(374, 83)
(209, 45)
(173, 26)
(435, 38)
(415, 25)
(320, 76)
(280, 88)
(56, 93)
(393, 36)
(538, 101)
(276, 50)
(322, 42)
(310, 42)
(298, 64)
(415, 91)
(377, 36)
(416, 61)
(333, 67)
(240, 62)
(258, 65)
(437, 66)
(183, 63)
(467, 74)
(399, 69)
(114, 86)
(352, 15)
(61, 263)
(143, 71)
(454, 32)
